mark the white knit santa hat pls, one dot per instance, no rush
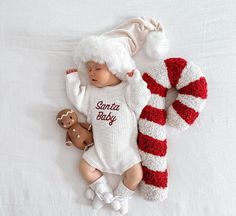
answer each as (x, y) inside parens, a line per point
(116, 47)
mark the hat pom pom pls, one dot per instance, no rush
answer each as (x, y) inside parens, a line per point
(157, 45)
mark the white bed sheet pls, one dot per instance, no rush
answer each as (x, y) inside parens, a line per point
(39, 175)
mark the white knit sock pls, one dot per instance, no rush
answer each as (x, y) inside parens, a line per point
(103, 192)
(122, 194)
(89, 194)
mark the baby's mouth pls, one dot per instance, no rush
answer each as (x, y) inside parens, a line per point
(94, 80)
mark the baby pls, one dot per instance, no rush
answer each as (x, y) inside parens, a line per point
(112, 102)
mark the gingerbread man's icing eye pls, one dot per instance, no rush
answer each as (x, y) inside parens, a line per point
(70, 117)
(61, 123)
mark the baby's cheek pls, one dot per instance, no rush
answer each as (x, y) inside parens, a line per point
(105, 77)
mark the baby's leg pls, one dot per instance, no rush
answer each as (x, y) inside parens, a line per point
(89, 173)
(133, 176)
(127, 187)
(99, 189)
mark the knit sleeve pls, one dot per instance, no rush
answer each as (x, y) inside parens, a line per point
(77, 94)
(137, 93)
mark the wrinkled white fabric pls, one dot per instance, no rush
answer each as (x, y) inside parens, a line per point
(39, 174)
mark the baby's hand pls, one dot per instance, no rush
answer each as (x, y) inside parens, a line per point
(73, 70)
(134, 76)
(131, 73)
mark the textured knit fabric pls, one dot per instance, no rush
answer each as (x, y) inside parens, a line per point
(133, 33)
(101, 189)
(122, 194)
(191, 84)
(113, 112)
(116, 47)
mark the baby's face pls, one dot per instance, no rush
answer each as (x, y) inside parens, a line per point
(100, 76)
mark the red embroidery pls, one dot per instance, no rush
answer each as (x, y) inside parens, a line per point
(107, 117)
(102, 106)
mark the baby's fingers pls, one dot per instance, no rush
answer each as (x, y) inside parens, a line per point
(130, 74)
(72, 70)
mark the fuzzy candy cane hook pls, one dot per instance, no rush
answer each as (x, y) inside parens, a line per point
(191, 84)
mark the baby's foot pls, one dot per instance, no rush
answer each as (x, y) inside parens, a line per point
(122, 194)
(97, 203)
(89, 194)
(103, 192)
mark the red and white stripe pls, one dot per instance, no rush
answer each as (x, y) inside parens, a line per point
(191, 84)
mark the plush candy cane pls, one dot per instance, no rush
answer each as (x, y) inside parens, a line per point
(191, 84)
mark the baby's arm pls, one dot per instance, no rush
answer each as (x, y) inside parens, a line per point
(76, 93)
(137, 94)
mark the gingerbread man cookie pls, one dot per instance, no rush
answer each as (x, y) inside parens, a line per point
(78, 134)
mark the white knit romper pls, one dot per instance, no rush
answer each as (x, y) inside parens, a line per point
(113, 112)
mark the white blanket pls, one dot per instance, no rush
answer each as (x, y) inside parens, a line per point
(39, 175)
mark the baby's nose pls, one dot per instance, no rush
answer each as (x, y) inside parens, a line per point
(92, 76)
(91, 73)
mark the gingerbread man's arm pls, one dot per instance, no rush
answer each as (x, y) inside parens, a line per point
(89, 140)
(86, 126)
(68, 140)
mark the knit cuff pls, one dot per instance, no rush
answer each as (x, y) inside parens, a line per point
(72, 77)
(100, 180)
(123, 191)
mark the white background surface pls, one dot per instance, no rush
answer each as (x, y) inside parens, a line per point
(39, 175)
